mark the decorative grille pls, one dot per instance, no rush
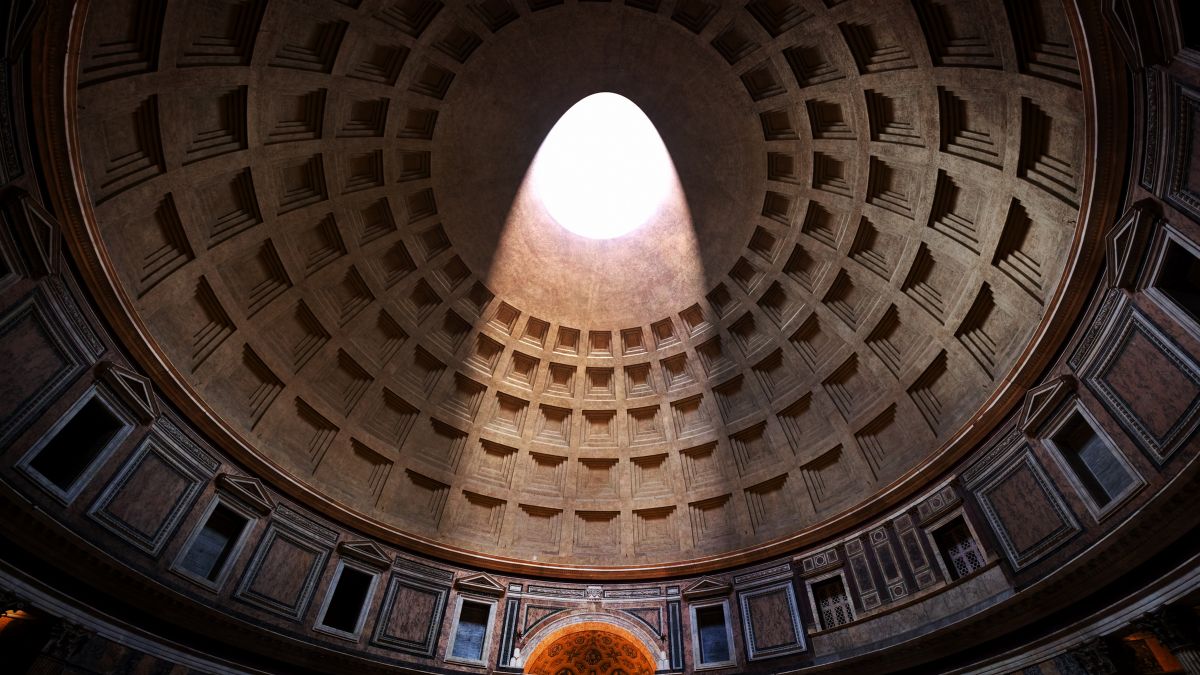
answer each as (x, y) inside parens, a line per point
(833, 603)
(965, 556)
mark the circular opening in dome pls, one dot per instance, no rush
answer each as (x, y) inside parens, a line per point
(603, 170)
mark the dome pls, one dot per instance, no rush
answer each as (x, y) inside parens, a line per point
(362, 292)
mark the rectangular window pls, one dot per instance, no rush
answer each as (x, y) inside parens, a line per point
(1095, 465)
(470, 635)
(211, 548)
(76, 444)
(713, 634)
(1189, 22)
(958, 549)
(1179, 277)
(344, 609)
(832, 602)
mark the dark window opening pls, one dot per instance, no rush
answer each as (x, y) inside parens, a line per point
(1179, 277)
(1092, 461)
(1189, 22)
(714, 638)
(472, 630)
(211, 548)
(958, 548)
(832, 603)
(77, 444)
(349, 596)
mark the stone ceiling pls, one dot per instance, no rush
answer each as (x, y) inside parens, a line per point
(304, 211)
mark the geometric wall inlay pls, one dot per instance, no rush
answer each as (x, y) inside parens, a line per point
(1159, 413)
(771, 621)
(1027, 513)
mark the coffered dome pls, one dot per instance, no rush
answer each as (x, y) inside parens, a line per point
(313, 226)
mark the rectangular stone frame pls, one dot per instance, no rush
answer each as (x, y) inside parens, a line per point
(110, 401)
(286, 525)
(234, 551)
(1164, 235)
(929, 529)
(363, 611)
(186, 467)
(492, 604)
(812, 598)
(1136, 483)
(752, 652)
(1017, 456)
(1126, 320)
(75, 362)
(692, 607)
(399, 579)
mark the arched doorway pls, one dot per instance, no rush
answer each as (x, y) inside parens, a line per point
(590, 648)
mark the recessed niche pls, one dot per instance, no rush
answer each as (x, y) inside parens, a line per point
(485, 355)
(1179, 278)
(522, 370)
(956, 545)
(600, 343)
(693, 319)
(1098, 469)
(535, 333)
(638, 380)
(495, 463)
(600, 428)
(646, 426)
(66, 454)
(561, 379)
(213, 545)
(597, 478)
(633, 341)
(600, 384)
(701, 465)
(508, 415)
(690, 416)
(344, 610)
(505, 318)
(567, 341)
(676, 372)
(664, 333)
(471, 636)
(546, 473)
(651, 475)
(554, 425)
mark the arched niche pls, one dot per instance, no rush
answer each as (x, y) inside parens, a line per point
(591, 642)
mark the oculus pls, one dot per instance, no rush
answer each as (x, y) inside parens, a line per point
(603, 170)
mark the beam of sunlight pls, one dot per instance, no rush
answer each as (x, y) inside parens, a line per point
(603, 169)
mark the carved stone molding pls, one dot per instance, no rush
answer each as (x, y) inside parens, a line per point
(1126, 247)
(11, 602)
(1043, 400)
(1175, 627)
(36, 231)
(66, 638)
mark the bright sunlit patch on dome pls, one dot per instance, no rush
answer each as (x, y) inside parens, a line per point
(603, 170)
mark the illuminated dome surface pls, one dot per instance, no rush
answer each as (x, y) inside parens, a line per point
(363, 261)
